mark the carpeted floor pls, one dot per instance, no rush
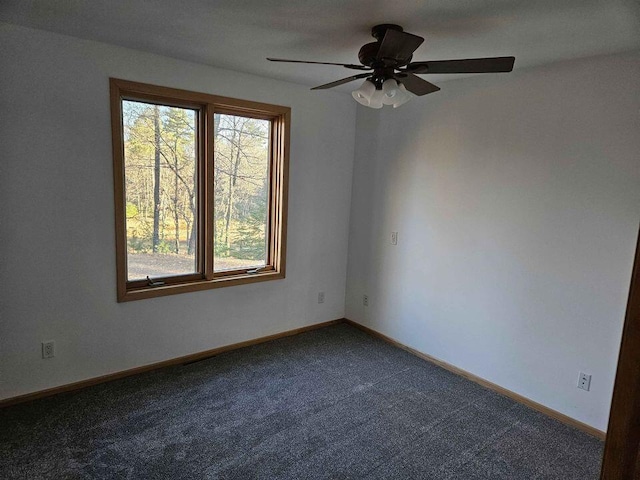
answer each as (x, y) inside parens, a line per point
(332, 403)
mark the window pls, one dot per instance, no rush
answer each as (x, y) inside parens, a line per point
(200, 190)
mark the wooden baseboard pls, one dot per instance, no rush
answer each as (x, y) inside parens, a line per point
(485, 383)
(217, 351)
(154, 366)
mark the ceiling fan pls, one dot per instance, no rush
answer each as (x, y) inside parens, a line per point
(391, 77)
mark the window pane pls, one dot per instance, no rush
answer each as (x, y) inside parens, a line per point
(160, 151)
(241, 192)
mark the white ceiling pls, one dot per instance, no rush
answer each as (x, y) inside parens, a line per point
(239, 34)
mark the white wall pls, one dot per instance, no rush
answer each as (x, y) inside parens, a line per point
(57, 254)
(517, 202)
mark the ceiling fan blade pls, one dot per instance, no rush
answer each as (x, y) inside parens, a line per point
(416, 85)
(340, 82)
(346, 65)
(398, 45)
(470, 65)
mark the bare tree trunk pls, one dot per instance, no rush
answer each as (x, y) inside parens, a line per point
(191, 240)
(156, 180)
(192, 237)
(227, 213)
(176, 216)
(176, 198)
(189, 235)
(233, 178)
(192, 227)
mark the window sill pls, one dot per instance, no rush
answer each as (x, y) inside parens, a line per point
(194, 286)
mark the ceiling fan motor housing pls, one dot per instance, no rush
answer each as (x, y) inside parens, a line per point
(379, 31)
(368, 54)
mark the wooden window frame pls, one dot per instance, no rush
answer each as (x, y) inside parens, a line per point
(206, 105)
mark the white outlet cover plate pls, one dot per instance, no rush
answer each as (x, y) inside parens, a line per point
(584, 381)
(48, 349)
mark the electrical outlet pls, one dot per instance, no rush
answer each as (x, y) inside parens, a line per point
(394, 238)
(365, 300)
(584, 381)
(320, 297)
(48, 349)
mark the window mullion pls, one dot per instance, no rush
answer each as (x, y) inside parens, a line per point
(208, 190)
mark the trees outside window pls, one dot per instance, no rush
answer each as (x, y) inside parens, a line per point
(201, 185)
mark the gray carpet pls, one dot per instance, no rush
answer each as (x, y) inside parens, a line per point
(332, 403)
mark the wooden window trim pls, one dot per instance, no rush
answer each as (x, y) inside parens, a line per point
(207, 105)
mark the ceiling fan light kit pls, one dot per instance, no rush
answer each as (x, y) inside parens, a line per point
(391, 77)
(363, 94)
(405, 96)
(390, 88)
(391, 93)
